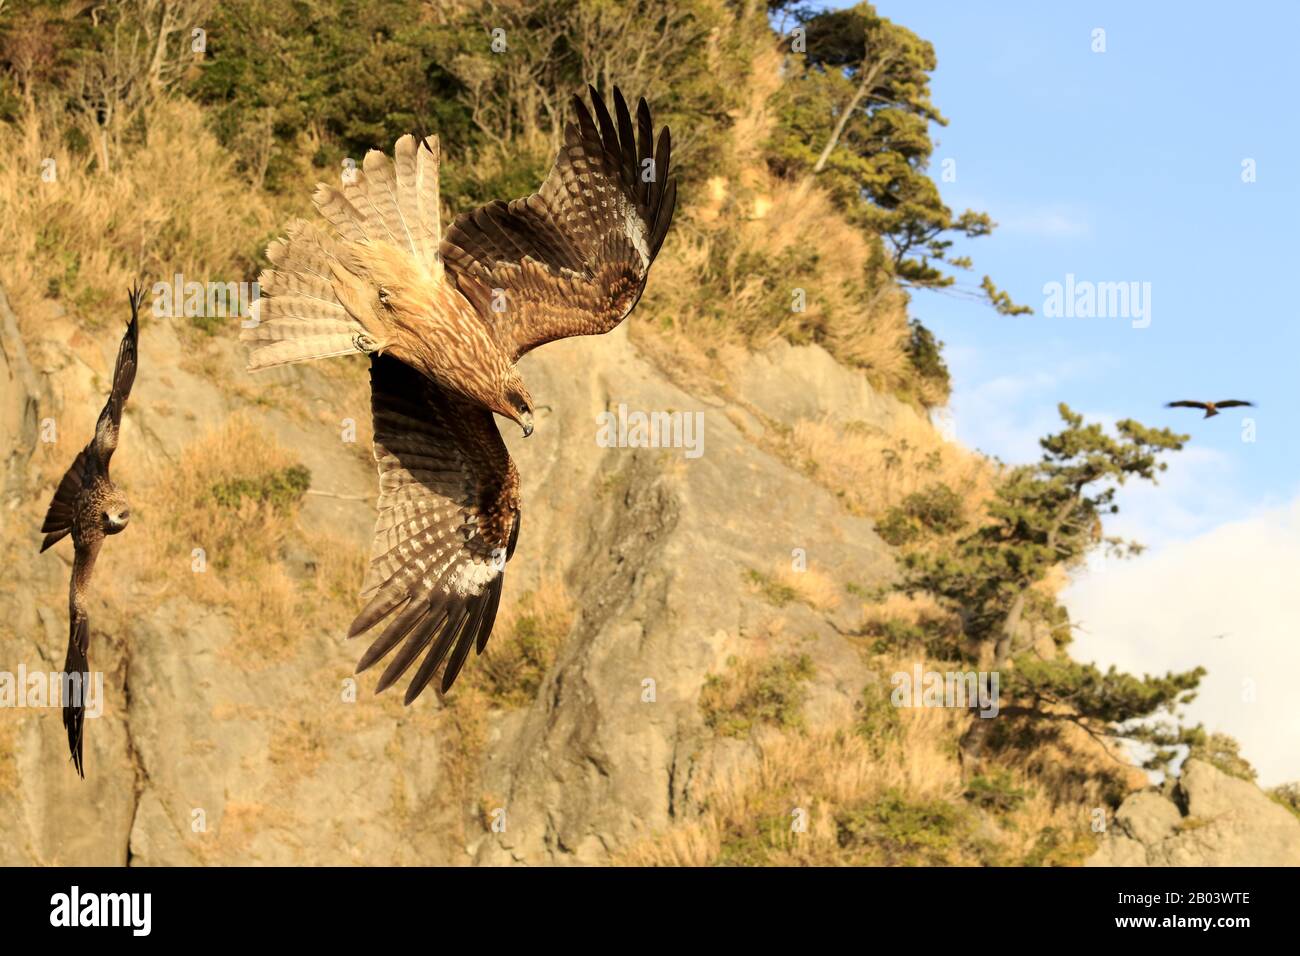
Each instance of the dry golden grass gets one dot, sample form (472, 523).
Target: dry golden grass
(912, 623)
(811, 587)
(726, 280)
(916, 610)
(729, 278)
(241, 544)
(525, 643)
(873, 471)
(339, 566)
(173, 203)
(298, 745)
(908, 788)
(886, 786)
(785, 584)
(822, 773)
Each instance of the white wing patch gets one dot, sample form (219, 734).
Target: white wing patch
(634, 228)
(472, 576)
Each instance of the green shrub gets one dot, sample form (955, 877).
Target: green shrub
(773, 590)
(897, 831)
(934, 511)
(877, 717)
(996, 792)
(1223, 752)
(1288, 795)
(280, 489)
(925, 352)
(769, 691)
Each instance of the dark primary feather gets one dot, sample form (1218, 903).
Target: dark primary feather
(448, 517)
(1228, 403)
(573, 258)
(110, 419)
(63, 506)
(92, 461)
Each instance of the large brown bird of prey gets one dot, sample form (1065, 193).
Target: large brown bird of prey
(444, 318)
(89, 506)
(1211, 408)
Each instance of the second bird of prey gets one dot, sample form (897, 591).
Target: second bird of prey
(444, 317)
(1211, 408)
(88, 506)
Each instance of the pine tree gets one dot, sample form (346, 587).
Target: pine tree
(1043, 515)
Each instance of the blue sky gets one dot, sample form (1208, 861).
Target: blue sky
(1127, 166)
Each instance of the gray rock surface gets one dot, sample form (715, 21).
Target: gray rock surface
(208, 755)
(788, 382)
(1208, 818)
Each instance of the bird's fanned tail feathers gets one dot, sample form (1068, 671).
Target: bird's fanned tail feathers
(390, 200)
(307, 308)
(297, 317)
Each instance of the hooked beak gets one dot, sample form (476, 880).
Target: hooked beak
(526, 420)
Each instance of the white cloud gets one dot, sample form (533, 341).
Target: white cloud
(1162, 611)
(1006, 415)
(1195, 494)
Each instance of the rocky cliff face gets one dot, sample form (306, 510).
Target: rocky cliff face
(206, 754)
(1205, 818)
(218, 747)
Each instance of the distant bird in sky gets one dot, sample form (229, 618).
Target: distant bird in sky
(444, 318)
(1211, 408)
(89, 506)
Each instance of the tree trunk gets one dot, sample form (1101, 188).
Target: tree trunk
(1011, 624)
(869, 77)
(972, 742)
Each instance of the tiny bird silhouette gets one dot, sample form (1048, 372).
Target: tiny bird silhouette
(1211, 408)
(89, 506)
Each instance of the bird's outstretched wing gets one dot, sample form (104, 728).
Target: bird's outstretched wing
(1185, 404)
(63, 506)
(1233, 403)
(93, 460)
(448, 522)
(110, 419)
(571, 259)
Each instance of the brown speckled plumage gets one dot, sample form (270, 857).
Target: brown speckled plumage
(444, 318)
(88, 506)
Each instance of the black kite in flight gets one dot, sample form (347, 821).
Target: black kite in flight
(89, 506)
(444, 318)
(1211, 408)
